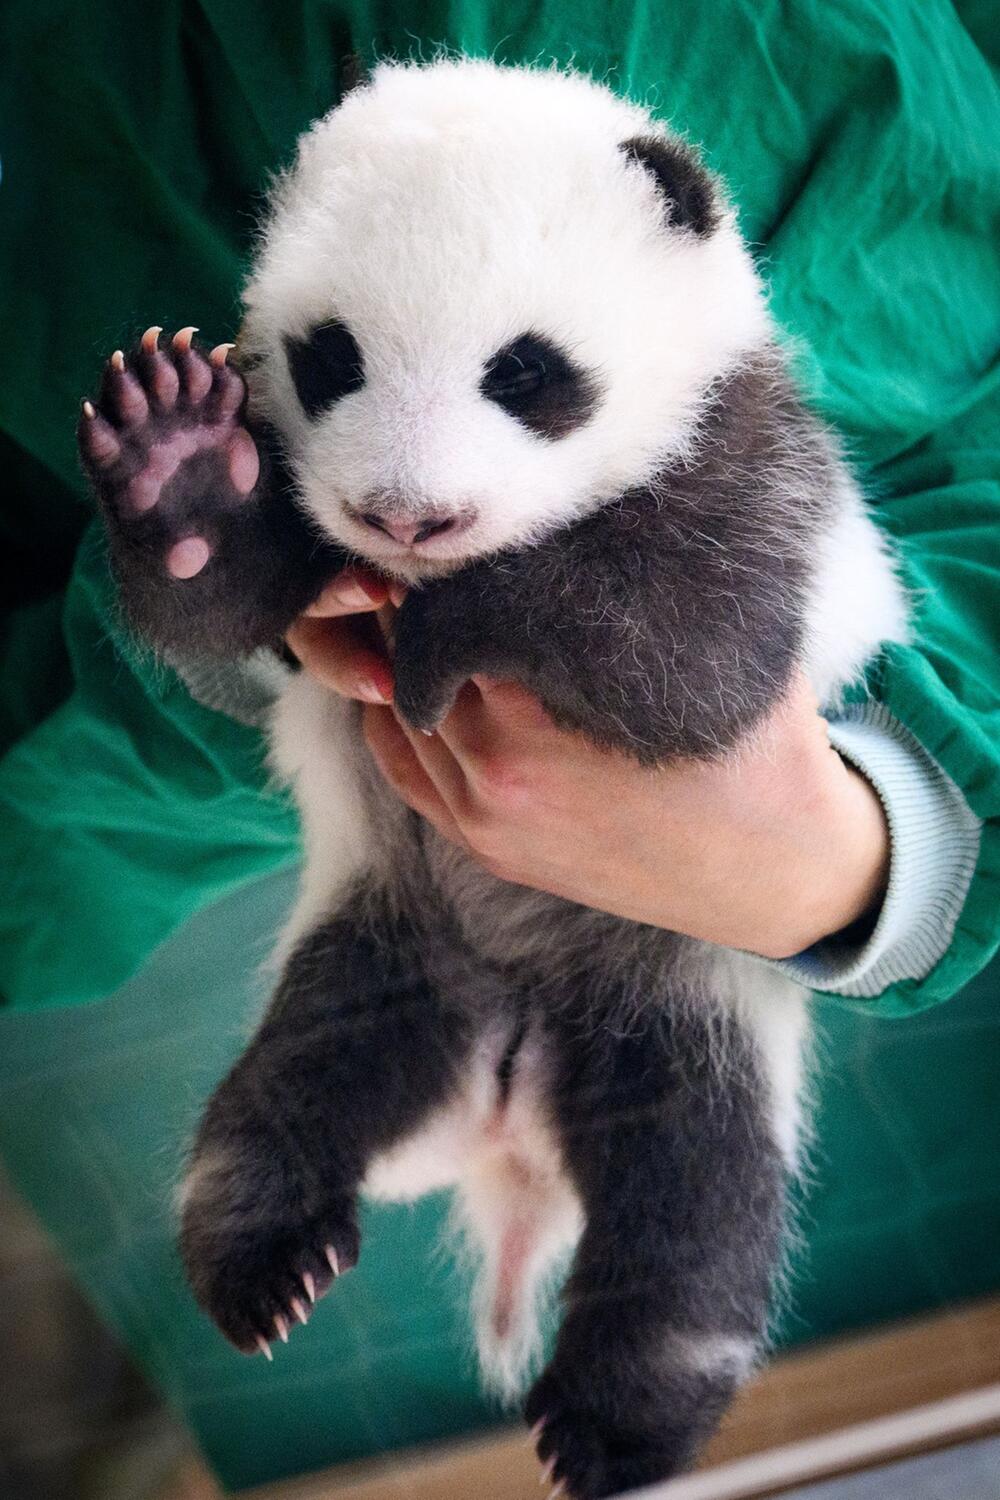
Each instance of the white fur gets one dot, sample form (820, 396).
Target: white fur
(440, 212)
(317, 749)
(774, 1010)
(858, 602)
(712, 1353)
(515, 1206)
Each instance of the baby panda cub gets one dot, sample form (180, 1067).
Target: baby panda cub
(504, 343)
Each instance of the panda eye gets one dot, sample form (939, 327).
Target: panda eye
(511, 377)
(325, 366)
(536, 383)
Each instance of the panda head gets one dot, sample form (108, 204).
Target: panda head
(488, 300)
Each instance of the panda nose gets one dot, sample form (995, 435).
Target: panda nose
(411, 530)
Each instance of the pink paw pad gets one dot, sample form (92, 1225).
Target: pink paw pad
(244, 461)
(186, 558)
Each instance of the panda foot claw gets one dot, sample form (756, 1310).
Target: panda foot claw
(258, 1272)
(583, 1448)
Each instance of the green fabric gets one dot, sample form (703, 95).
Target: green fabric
(860, 143)
(903, 1211)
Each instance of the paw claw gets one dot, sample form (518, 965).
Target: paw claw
(123, 396)
(249, 1276)
(195, 372)
(181, 340)
(265, 1348)
(228, 391)
(97, 438)
(331, 1256)
(220, 354)
(160, 373)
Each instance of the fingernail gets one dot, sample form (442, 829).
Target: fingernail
(353, 595)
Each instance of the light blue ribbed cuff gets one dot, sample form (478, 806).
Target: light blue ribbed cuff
(934, 848)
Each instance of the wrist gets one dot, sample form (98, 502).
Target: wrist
(851, 860)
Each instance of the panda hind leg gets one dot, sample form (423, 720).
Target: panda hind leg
(356, 1053)
(667, 1304)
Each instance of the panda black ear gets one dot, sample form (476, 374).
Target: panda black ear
(684, 185)
(353, 73)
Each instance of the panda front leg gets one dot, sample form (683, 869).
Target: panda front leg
(665, 1130)
(209, 549)
(356, 1049)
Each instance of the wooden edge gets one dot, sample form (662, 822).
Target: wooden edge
(843, 1392)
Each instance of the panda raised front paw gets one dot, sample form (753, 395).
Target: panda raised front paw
(156, 412)
(210, 551)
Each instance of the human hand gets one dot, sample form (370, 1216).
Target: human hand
(770, 848)
(340, 648)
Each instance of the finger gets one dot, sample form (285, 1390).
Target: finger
(400, 766)
(511, 703)
(352, 591)
(337, 653)
(491, 719)
(441, 767)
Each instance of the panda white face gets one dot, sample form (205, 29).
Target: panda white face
(478, 312)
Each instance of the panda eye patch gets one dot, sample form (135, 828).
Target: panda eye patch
(324, 366)
(532, 380)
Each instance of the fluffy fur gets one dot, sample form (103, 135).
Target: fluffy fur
(503, 340)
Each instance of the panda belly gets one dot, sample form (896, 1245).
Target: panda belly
(516, 928)
(513, 1201)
